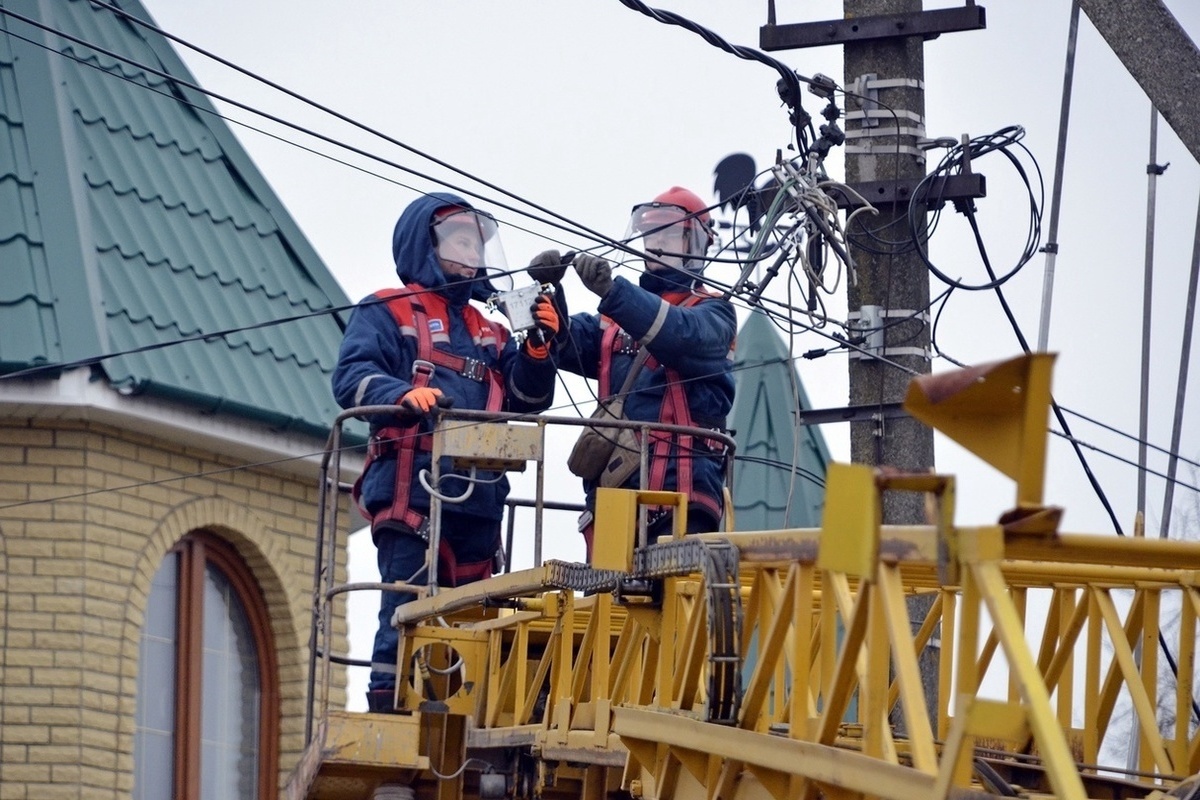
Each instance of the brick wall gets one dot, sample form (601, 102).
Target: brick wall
(87, 514)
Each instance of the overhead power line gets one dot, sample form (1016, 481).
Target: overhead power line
(570, 226)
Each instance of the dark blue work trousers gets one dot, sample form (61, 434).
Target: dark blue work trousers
(401, 555)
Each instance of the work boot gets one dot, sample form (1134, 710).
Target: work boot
(381, 701)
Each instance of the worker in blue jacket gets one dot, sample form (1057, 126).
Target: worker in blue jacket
(419, 348)
(689, 335)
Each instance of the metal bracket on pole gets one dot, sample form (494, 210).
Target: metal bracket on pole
(937, 191)
(864, 92)
(871, 321)
(926, 24)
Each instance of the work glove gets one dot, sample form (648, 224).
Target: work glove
(548, 267)
(548, 324)
(423, 399)
(595, 273)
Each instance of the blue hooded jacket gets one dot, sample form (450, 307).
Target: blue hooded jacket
(376, 360)
(695, 341)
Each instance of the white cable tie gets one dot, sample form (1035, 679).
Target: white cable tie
(885, 352)
(923, 315)
(917, 131)
(901, 113)
(886, 150)
(865, 84)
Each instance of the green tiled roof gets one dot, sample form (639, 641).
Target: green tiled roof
(130, 218)
(769, 392)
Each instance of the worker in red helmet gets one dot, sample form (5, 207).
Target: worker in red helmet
(685, 376)
(674, 230)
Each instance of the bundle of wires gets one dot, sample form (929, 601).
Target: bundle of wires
(957, 161)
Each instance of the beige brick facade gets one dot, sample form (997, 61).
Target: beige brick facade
(87, 515)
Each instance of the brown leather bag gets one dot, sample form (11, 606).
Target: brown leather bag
(609, 455)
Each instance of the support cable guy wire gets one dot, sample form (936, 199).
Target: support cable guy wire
(1076, 445)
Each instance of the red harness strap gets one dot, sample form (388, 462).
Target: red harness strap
(673, 411)
(408, 308)
(607, 345)
(452, 573)
(410, 314)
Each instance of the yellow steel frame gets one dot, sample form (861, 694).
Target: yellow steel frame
(825, 624)
(876, 655)
(608, 690)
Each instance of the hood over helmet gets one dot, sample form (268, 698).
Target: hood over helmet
(414, 250)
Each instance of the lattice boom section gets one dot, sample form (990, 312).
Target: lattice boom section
(1043, 650)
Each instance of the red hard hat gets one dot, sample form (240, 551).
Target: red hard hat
(662, 210)
(679, 196)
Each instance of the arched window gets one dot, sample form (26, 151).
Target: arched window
(208, 703)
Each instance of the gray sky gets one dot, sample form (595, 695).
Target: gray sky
(588, 108)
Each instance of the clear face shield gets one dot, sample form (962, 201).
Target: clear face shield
(467, 243)
(670, 237)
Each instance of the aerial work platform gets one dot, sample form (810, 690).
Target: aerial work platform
(784, 664)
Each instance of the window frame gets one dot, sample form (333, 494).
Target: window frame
(196, 551)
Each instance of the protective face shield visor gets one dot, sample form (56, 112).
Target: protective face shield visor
(467, 243)
(669, 236)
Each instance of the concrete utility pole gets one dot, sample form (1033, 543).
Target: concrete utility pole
(893, 287)
(884, 76)
(883, 43)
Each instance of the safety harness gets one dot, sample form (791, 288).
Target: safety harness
(673, 411)
(415, 310)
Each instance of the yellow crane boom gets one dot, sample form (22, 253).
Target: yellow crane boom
(783, 664)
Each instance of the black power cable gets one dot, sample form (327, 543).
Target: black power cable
(998, 141)
(1076, 445)
(789, 85)
(957, 161)
(572, 226)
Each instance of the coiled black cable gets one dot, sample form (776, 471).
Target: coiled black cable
(958, 161)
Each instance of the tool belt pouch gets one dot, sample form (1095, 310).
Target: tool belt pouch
(625, 459)
(597, 446)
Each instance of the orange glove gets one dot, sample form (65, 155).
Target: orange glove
(547, 317)
(421, 400)
(548, 324)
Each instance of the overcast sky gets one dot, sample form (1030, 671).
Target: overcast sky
(588, 108)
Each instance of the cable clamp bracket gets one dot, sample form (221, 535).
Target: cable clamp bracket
(886, 313)
(867, 88)
(871, 118)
